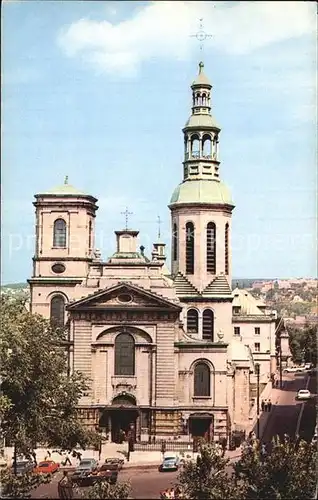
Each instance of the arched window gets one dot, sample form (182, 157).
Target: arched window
(59, 233)
(210, 248)
(208, 325)
(195, 146)
(203, 99)
(189, 248)
(226, 246)
(57, 312)
(202, 382)
(192, 321)
(124, 354)
(207, 146)
(175, 242)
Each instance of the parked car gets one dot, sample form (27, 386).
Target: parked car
(170, 463)
(107, 472)
(308, 366)
(23, 467)
(291, 369)
(84, 469)
(115, 460)
(303, 394)
(46, 467)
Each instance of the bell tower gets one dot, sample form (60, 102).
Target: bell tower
(201, 205)
(65, 232)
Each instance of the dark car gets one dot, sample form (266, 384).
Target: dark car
(23, 467)
(107, 472)
(83, 472)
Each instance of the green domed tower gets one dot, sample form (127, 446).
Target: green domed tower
(201, 205)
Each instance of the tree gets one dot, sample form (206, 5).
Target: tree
(208, 476)
(39, 399)
(287, 471)
(303, 343)
(20, 486)
(102, 490)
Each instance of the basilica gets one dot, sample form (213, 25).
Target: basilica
(167, 353)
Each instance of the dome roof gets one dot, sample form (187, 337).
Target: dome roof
(201, 79)
(65, 189)
(202, 191)
(202, 120)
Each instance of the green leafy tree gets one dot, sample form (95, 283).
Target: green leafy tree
(288, 471)
(208, 477)
(21, 486)
(102, 490)
(39, 399)
(303, 343)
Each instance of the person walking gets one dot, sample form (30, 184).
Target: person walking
(65, 487)
(269, 405)
(265, 405)
(262, 405)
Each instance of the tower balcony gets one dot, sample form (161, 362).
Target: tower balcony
(196, 155)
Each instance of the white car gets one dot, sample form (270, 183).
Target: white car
(291, 369)
(303, 394)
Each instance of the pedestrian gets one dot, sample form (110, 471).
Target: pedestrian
(269, 405)
(262, 405)
(65, 487)
(265, 405)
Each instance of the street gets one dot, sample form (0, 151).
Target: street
(147, 483)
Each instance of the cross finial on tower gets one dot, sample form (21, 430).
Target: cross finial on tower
(126, 214)
(66, 179)
(159, 221)
(201, 35)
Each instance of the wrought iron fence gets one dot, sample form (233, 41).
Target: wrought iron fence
(169, 445)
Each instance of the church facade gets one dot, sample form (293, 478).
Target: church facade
(167, 354)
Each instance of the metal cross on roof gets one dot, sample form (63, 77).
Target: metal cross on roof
(201, 35)
(126, 214)
(159, 221)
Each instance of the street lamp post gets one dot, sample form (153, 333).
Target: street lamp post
(257, 398)
(280, 364)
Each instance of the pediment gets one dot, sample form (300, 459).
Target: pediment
(123, 296)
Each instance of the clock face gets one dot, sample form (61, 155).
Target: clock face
(58, 268)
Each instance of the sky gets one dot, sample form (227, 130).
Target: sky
(100, 91)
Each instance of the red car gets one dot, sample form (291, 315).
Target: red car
(46, 467)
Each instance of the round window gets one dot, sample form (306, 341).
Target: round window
(58, 268)
(124, 297)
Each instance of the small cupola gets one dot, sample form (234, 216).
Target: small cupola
(126, 241)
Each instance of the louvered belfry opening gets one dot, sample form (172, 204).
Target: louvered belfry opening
(189, 248)
(226, 244)
(211, 248)
(175, 241)
(208, 325)
(192, 321)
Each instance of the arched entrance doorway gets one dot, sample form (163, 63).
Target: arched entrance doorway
(123, 415)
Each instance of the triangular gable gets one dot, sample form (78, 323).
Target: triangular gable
(219, 287)
(108, 298)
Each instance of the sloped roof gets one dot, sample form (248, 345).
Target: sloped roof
(248, 304)
(183, 286)
(218, 287)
